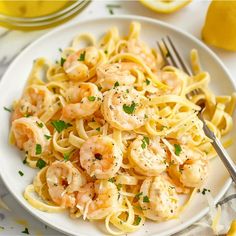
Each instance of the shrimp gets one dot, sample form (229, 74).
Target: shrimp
(148, 156)
(124, 108)
(97, 200)
(172, 80)
(30, 134)
(139, 48)
(83, 101)
(64, 181)
(77, 65)
(100, 157)
(159, 199)
(35, 100)
(110, 74)
(191, 167)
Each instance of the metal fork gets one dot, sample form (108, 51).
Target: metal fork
(172, 57)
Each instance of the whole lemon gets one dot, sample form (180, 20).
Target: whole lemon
(220, 25)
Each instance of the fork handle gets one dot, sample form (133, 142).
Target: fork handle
(229, 164)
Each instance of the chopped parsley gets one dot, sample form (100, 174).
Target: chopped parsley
(7, 109)
(145, 116)
(91, 98)
(38, 149)
(178, 149)
(1, 227)
(129, 109)
(40, 125)
(137, 220)
(20, 173)
(119, 186)
(146, 199)
(98, 129)
(145, 142)
(60, 125)
(112, 180)
(62, 61)
(116, 84)
(26, 231)
(24, 161)
(47, 136)
(82, 56)
(147, 81)
(138, 195)
(99, 88)
(40, 163)
(105, 51)
(27, 115)
(110, 8)
(59, 49)
(66, 156)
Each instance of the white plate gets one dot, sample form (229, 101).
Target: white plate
(47, 46)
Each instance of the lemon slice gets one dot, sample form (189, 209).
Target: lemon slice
(165, 6)
(220, 25)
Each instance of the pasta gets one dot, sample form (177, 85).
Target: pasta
(113, 134)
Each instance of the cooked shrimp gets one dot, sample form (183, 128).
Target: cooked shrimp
(148, 156)
(77, 65)
(171, 79)
(64, 181)
(124, 108)
(100, 157)
(83, 101)
(139, 48)
(110, 74)
(35, 100)
(97, 200)
(30, 135)
(192, 166)
(159, 199)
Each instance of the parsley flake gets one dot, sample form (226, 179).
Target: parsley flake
(82, 56)
(137, 220)
(129, 109)
(62, 61)
(105, 51)
(116, 84)
(40, 163)
(60, 125)
(47, 136)
(98, 129)
(178, 149)
(146, 199)
(145, 142)
(38, 149)
(91, 98)
(7, 109)
(20, 173)
(40, 125)
(112, 180)
(66, 156)
(147, 81)
(119, 186)
(26, 231)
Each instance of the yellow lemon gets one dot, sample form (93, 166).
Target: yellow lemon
(220, 25)
(232, 230)
(165, 6)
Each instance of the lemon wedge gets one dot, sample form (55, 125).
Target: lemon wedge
(220, 25)
(165, 6)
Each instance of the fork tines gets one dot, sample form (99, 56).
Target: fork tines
(171, 55)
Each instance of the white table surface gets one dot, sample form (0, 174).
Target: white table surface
(190, 18)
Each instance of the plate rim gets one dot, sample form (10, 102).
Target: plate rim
(130, 17)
